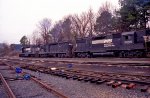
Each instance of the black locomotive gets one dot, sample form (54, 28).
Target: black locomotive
(125, 44)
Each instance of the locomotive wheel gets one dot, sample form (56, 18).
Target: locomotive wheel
(61, 56)
(148, 54)
(64, 55)
(139, 54)
(58, 56)
(121, 54)
(87, 55)
(126, 54)
(79, 55)
(54, 55)
(83, 55)
(130, 54)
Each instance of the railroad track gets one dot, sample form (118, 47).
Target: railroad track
(38, 67)
(33, 78)
(6, 86)
(43, 62)
(127, 81)
(129, 61)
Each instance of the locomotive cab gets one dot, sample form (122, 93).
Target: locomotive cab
(133, 44)
(26, 50)
(128, 37)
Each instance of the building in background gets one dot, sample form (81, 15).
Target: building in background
(16, 47)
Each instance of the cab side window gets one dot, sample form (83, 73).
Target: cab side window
(127, 37)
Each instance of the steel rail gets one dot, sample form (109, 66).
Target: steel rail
(42, 84)
(81, 72)
(94, 74)
(77, 69)
(89, 61)
(6, 86)
(49, 88)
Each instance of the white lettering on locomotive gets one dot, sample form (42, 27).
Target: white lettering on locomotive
(128, 42)
(97, 41)
(106, 42)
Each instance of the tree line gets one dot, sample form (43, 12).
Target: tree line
(8, 50)
(132, 15)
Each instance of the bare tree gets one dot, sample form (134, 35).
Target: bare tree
(56, 31)
(62, 30)
(104, 23)
(45, 27)
(39, 41)
(36, 39)
(83, 25)
(105, 7)
(92, 20)
(80, 23)
(66, 28)
(4, 49)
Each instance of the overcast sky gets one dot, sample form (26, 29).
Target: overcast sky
(20, 17)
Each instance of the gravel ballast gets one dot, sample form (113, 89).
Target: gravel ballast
(77, 89)
(3, 93)
(25, 88)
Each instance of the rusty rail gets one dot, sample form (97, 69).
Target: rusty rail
(94, 74)
(43, 85)
(49, 88)
(6, 86)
